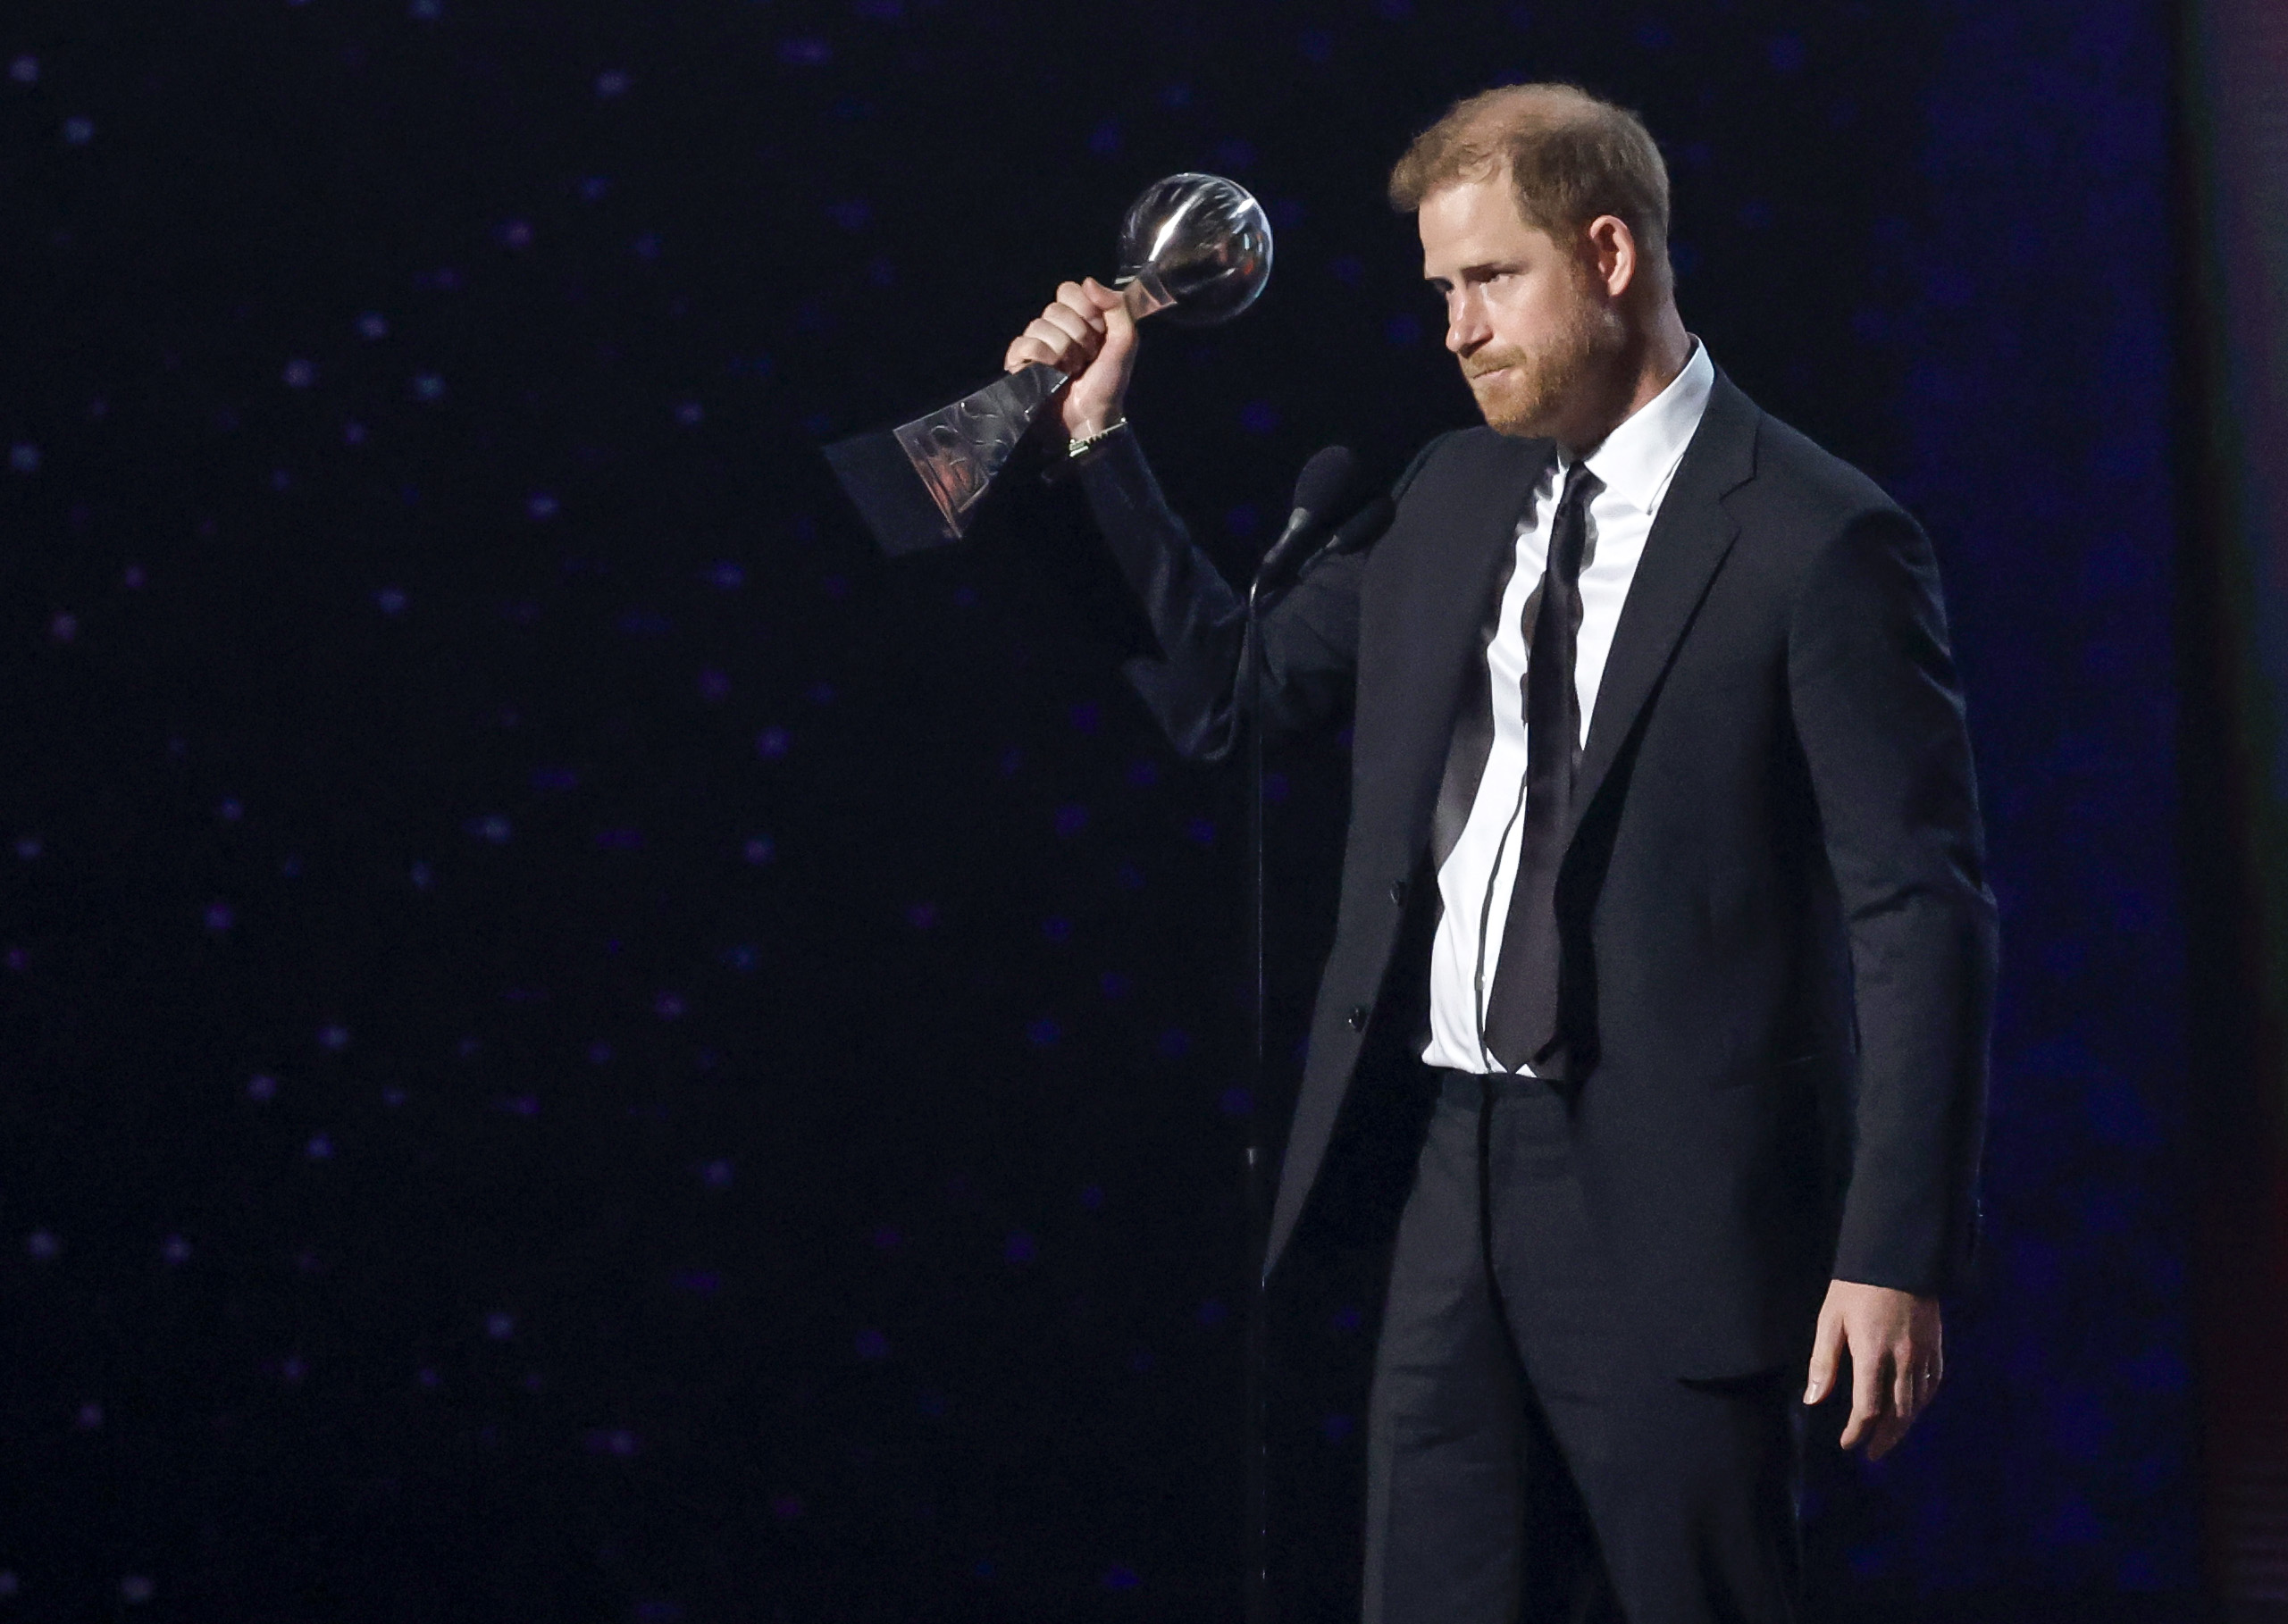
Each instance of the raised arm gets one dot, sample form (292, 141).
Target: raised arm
(1197, 620)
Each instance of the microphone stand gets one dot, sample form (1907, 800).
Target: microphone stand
(1259, 1582)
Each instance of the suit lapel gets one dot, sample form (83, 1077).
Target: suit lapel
(1687, 543)
(1465, 539)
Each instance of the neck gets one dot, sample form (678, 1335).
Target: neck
(1647, 362)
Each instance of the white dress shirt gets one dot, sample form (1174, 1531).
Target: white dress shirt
(1634, 465)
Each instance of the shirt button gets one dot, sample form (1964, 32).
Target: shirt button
(1398, 892)
(1356, 1019)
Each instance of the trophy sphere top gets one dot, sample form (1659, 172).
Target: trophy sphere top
(1207, 239)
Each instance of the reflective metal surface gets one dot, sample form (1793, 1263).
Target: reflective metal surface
(1207, 240)
(1197, 249)
(958, 449)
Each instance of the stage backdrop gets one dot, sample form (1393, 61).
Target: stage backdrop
(574, 1045)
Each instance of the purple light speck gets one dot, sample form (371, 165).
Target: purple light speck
(1071, 820)
(334, 1038)
(24, 458)
(611, 83)
(41, 1246)
(1019, 1247)
(219, 918)
(175, 1249)
(873, 1346)
(300, 375)
(500, 1326)
(319, 1149)
(516, 234)
(64, 628)
(28, 846)
(79, 131)
(24, 71)
(90, 1417)
(771, 743)
(717, 1174)
(539, 504)
(373, 324)
(135, 1589)
(691, 414)
(262, 1087)
(669, 1006)
(759, 850)
(714, 686)
(803, 53)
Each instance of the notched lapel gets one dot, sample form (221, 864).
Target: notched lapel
(1687, 545)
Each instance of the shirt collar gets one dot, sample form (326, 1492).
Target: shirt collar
(1638, 457)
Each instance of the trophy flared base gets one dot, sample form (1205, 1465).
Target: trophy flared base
(920, 485)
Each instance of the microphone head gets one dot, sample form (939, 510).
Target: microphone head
(1324, 479)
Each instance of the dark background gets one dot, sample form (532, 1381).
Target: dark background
(574, 1045)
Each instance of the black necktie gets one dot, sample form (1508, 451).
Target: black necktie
(1521, 1012)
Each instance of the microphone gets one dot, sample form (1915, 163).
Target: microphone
(1316, 490)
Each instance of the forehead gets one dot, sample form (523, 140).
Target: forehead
(1471, 222)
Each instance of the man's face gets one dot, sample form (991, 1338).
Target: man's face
(1525, 315)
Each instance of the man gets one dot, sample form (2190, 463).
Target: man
(1664, 860)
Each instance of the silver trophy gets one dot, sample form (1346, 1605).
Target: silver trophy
(1195, 248)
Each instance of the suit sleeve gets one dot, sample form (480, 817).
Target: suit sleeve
(1199, 623)
(1879, 712)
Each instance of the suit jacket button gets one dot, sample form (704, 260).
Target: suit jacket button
(1398, 892)
(1356, 1019)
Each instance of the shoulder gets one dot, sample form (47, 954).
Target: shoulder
(1799, 486)
(1463, 459)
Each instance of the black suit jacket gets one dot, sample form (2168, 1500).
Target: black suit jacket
(1779, 948)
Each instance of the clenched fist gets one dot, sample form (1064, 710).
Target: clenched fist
(1088, 335)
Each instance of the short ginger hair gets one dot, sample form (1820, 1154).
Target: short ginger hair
(1570, 156)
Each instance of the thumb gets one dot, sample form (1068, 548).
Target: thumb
(1827, 1343)
(1119, 325)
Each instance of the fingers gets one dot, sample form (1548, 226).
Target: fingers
(1065, 335)
(1027, 351)
(1867, 1384)
(1826, 1344)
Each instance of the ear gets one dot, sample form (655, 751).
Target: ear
(1611, 251)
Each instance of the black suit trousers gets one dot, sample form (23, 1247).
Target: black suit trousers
(1528, 1458)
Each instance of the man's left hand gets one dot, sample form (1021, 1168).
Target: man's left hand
(1896, 1360)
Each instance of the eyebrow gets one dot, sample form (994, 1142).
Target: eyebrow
(1476, 271)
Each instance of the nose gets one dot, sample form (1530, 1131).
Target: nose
(1465, 321)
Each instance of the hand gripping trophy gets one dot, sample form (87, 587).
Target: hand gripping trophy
(1195, 248)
